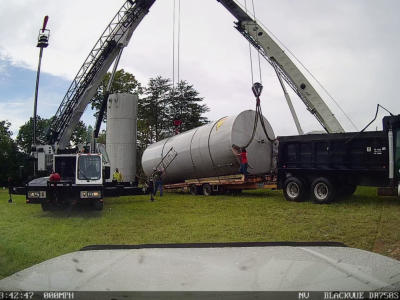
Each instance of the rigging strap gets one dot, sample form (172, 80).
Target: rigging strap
(257, 90)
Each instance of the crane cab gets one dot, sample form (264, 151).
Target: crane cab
(79, 169)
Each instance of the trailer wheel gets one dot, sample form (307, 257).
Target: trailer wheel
(98, 205)
(221, 190)
(323, 190)
(294, 189)
(194, 190)
(207, 190)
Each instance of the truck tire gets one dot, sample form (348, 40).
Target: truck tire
(194, 190)
(98, 205)
(207, 190)
(294, 189)
(323, 190)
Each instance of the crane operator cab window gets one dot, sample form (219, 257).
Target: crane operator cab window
(89, 167)
(65, 166)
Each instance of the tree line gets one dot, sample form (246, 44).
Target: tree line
(161, 108)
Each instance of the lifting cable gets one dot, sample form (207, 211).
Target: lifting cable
(287, 50)
(176, 49)
(179, 38)
(258, 50)
(257, 89)
(173, 46)
(176, 42)
(250, 52)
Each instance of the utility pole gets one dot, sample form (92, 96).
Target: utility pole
(43, 42)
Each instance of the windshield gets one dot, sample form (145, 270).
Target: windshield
(89, 167)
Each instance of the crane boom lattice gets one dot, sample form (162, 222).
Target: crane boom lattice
(84, 86)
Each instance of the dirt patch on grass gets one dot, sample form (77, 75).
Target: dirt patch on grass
(395, 251)
(391, 250)
(379, 246)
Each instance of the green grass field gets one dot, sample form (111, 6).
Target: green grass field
(29, 236)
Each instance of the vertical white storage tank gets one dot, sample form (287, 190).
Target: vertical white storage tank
(121, 134)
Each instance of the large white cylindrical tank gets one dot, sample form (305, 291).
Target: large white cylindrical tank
(206, 151)
(121, 134)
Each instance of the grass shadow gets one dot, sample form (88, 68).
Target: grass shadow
(127, 200)
(72, 212)
(369, 200)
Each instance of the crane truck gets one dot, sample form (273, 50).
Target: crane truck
(83, 173)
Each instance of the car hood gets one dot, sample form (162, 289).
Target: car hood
(212, 267)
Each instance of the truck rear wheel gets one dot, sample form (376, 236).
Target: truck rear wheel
(294, 189)
(323, 190)
(207, 190)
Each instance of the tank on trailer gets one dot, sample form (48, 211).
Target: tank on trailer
(121, 134)
(206, 151)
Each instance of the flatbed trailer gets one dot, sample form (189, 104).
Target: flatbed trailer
(224, 184)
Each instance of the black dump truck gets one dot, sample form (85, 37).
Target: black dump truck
(325, 166)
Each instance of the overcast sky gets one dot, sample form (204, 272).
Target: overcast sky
(350, 46)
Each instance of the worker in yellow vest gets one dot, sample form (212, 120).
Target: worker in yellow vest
(117, 176)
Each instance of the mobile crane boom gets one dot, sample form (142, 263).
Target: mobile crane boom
(84, 86)
(283, 65)
(117, 35)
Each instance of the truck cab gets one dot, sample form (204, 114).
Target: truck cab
(81, 169)
(81, 181)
